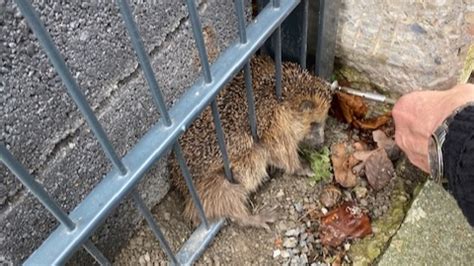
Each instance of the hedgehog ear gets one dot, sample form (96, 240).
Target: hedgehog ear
(306, 105)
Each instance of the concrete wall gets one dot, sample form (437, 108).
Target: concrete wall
(43, 128)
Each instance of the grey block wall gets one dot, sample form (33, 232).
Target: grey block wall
(43, 128)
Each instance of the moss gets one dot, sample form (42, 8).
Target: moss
(320, 164)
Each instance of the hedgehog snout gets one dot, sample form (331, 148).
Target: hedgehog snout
(315, 138)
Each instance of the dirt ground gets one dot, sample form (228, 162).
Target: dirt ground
(293, 239)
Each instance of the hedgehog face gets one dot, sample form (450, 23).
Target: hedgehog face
(314, 112)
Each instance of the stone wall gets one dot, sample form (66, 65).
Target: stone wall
(404, 45)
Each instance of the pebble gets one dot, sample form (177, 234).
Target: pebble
(360, 192)
(290, 242)
(347, 246)
(304, 259)
(147, 257)
(276, 253)
(305, 250)
(298, 207)
(280, 193)
(303, 236)
(324, 210)
(292, 232)
(364, 202)
(167, 216)
(285, 254)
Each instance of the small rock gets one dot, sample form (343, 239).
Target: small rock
(302, 243)
(141, 260)
(285, 254)
(282, 226)
(147, 257)
(360, 192)
(280, 193)
(304, 259)
(298, 207)
(310, 238)
(305, 250)
(167, 216)
(324, 210)
(363, 202)
(303, 236)
(276, 253)
(295, 251)
(292, 232)
(347, 246)
(295, 261)
(290, 242)
(308, 224)
(330, 196)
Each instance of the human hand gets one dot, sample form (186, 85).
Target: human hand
(418, 114)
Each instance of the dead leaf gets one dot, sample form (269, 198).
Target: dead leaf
(342, 163)
(352, 109)
(349, 107)
(387, 143)
(373, 123)
(379, 169)
(362, 155)
(330, 196)
(345, 222)
(359, 146)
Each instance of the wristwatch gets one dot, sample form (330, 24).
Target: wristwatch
(435, 145)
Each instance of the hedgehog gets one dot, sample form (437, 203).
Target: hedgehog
(282, 125)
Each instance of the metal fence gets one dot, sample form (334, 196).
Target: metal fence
(76, 228)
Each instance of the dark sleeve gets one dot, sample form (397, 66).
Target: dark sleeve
(458, 160)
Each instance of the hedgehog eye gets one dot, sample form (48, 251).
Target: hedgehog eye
(306, 105)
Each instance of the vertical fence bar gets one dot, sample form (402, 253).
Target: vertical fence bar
(326, 37)
(250, 101)
(95, 252)
(277, 41)
(304, 38)
(198, 37)
(189, 183)
(76, 94)
(239, 6)
(221, 141)
(143, 58)
(40, 193)
(154, 227)
(276, 3)
(197, 30)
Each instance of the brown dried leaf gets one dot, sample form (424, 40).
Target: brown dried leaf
(349, 107)
(373, 123)
(359, 146)
(362, 155)
(330, 196)
(342, 163)
(353, 110)
(345, 222)
(379, 169)
(387, 143)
